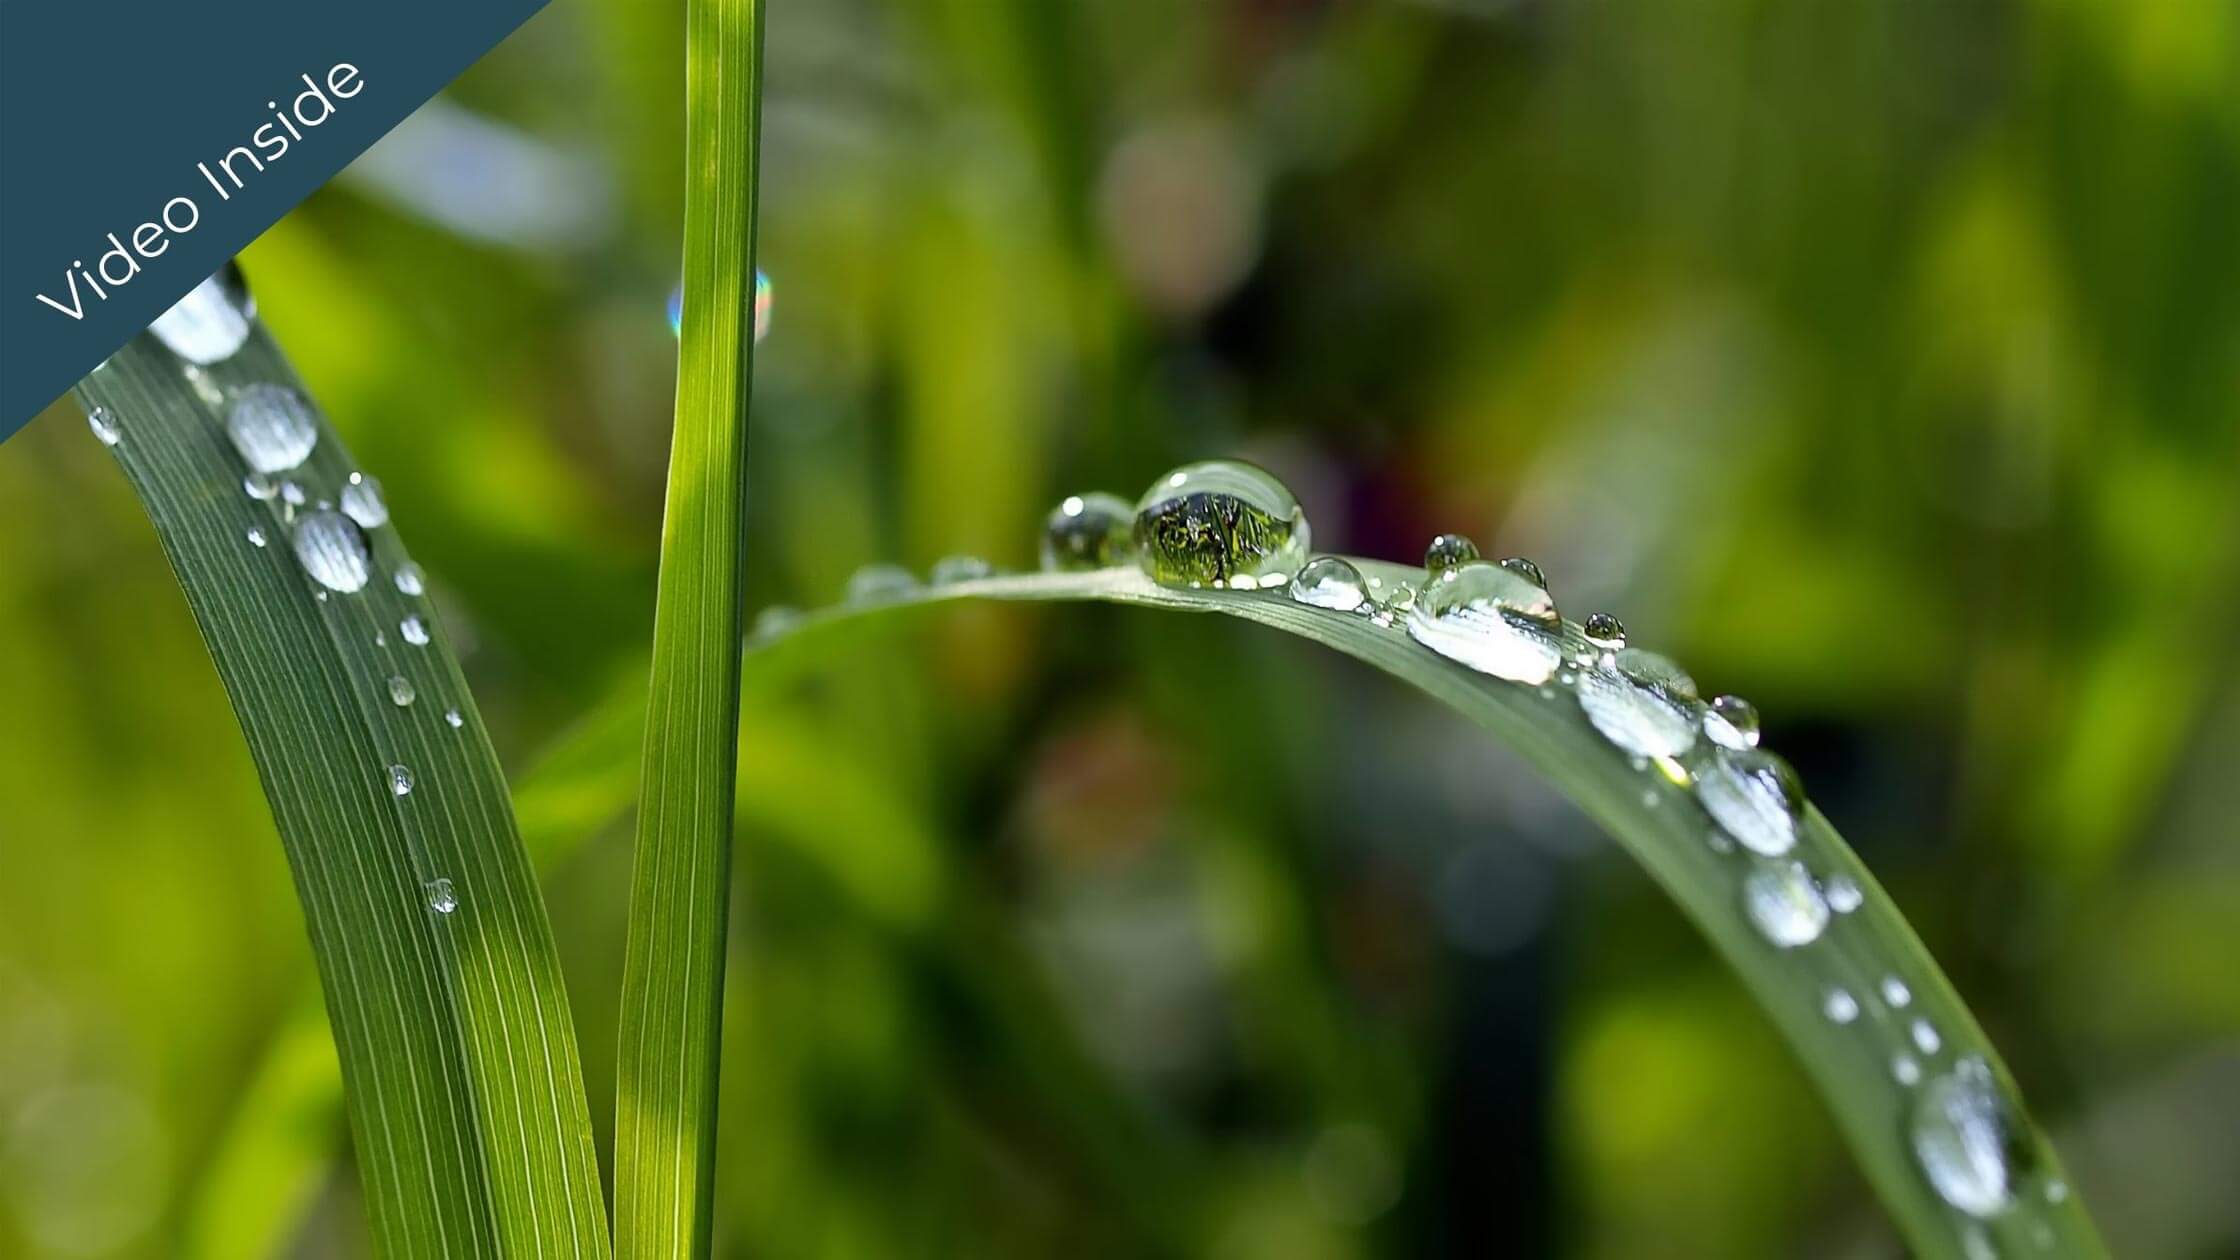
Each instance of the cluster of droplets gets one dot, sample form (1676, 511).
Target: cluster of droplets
(276, 431)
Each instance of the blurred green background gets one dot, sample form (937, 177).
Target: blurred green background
(1879, 361)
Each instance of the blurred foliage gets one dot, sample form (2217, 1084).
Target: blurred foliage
(1881, 362)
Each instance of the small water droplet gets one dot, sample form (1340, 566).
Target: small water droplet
(256, 536)
(1088, 531)
(1642, 704)
(776, 620)
(410, 580)
(103, 422)
(291, 494)
(1220, 523)
(1527, 569)
(333, 552)
(211, 322)
(273, 428)
(950, 570)
(361, 499)
(1840, 1007)
(1925, 1036)
(2057, 1191)
(1843, 894)
(1732, 722)
(400, 780)
(441, 897)
(1605, 631)
(1784, 903)
(260, 487)
(1755, 796)
(400, 690)
(455, 718)
(1906, 1070)
(1447, 551)
(381, 638)
(1486, 617)
(1969, 1140)
(1895, 992)
(880, 584)
(1329, 582)
(414, 630)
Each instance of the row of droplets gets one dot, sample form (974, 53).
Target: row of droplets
(1231, 525)
(275, 430)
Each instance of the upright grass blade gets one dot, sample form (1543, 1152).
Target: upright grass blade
(1886, 1056)
(464, 1096)
(672, 986)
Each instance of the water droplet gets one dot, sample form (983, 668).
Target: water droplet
(1732, 722)
(1755, 796)
(260, 487)
(333, 552)
(1925, 1036)
(441, 897)
(1643, 705)
(1905, 1070)
(2057, 1191)
(1476, 615)
(1969, 1141)
(256, 536)
(1784, 903)
(400, 780)
(103, 422)
(950, 570)
(381, 638)
(400, 690)
(1529, 570)
(1840, 1006)
(1329, 582)
(1843, 894)
(273, 428)
(211, 322)
(1446, 551)
(455, 718)
(1605, 632)
(775, 620)
(410, 580)
(1895, 992)
(1088, 531)
(880, 584)
(291, 494)
(414, 630)
(361, 499)
(1222, 523)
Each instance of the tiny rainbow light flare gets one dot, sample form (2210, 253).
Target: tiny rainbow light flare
(763, 299)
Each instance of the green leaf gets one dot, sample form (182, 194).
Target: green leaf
(672, 985)
(465, 1098)
(1853, 1063)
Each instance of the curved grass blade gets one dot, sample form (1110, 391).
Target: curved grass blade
(1879, 1066)
(465, 1098)
(672, 980)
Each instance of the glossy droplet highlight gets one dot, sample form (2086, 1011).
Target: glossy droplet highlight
(1969, 1140)
(332, 551)
(400, 780)
(1784, 904)
(1605, 631)
(291, 494)
(1895, 992)
(1329, 582)
(272, 426)
(1526, 569)
(256, 536)
(414, 630)
(410, 580)
(1446, 552)
(442, 898)
(1221, 523)
(1925, 1037)
(1643, 703)
(400, 690)
(1754, 796)
(455, 718)
(880, 584)
(1731, 722)
(1485, 617)
(103, 422)
(1840, 1007)
(362, 501)
(211, 323)
(1906, 1069)
(1088, 531)
(1843, 894)
(260, 486)
(950, 570)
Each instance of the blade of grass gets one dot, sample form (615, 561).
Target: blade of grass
(1854, 1062)
(672, 986)
(464, 1094)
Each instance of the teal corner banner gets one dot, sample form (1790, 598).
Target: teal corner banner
(145, 142)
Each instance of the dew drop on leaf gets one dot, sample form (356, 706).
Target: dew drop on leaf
(272, 426)
(1895, 992)
(1220, 523)
(1088, 531)
(1732, 722)
(1755, 796)
(260, 486)
(1969, 1140)
(211, 323)
(400, 690)
(1329, 582)
(400, 779)
(332, 551)
(1642, 704)
(1925, 1036)
(1840, 1007)
(1446, 551)
(880, 584)
(1843, 894)
(1784, 904)
(950, 570)
(455, 718)
(414, 630)
(104, 425)
(1605, 631)
(362, 501)
(776, 620)
(442, 898)
(410, 580)
(1526, 568)
(1489, 619)
(256, 536)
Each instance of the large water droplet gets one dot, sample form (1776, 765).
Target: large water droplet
(950, 570)
(211, 322)
(272, 426)
(1445, 552)
(1732, 722)
(1643, 705)
(1840, 1007)
(362, 501)
(1088, 531)
(441, 897)
(103, 422)
(400, 690)
(414, 630)
(1969, 1140)
(410, 580)
(332, 551)
(400, 780)
(880, 584)
(1784, 903)
(1222, 523)
(1329, 582)
(1755, 796)
(1485, 617)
